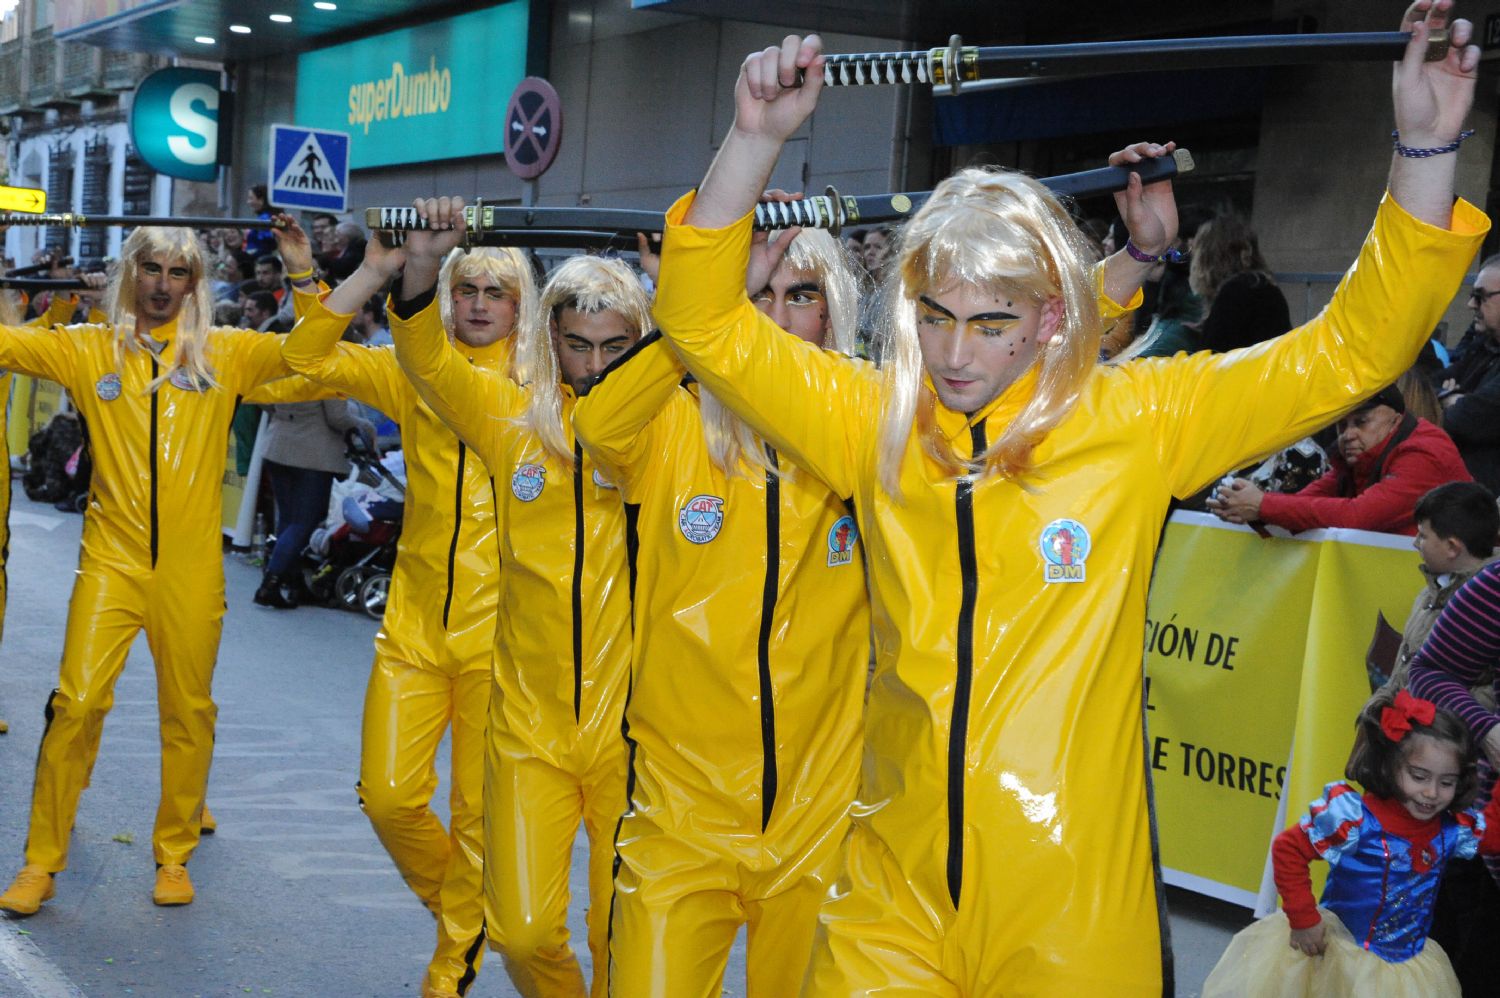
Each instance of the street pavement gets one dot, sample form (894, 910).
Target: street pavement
(295, 895)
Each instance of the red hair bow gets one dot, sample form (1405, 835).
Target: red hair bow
(1396, 719)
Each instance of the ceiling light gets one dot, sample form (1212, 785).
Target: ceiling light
(203, 40)
(282, 18)
(325, 5)
(240, 29)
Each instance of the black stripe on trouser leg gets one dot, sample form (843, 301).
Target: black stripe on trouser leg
(471, 960)
(48, 713)
(963, 681)
(763, 642)
(614, 873)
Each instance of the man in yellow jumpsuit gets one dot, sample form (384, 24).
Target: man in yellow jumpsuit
(158, 388)
(562, 648)
(736, 546)
(435, 648)
(1011, 496)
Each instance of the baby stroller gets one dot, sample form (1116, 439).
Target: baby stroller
(348, 560)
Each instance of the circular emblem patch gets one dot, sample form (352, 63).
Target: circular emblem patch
(701, 519)
(183, 379)
(108, 387)
(601, 481)
(841, 538)
(527, 481)
(1065, 546)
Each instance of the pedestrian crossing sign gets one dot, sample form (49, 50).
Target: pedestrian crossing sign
(309, 168)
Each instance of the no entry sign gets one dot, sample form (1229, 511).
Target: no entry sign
(533, 128)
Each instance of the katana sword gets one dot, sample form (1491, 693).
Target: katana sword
(956, 63)
(505, 225)
(38, 268)
(72, 220)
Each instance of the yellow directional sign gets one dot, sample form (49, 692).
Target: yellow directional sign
(23, 199)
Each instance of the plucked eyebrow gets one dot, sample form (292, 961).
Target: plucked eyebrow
(980, 317)
(803, 287)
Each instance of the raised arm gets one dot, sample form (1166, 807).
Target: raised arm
(1212, 412)
(314, 347)
(476, 405)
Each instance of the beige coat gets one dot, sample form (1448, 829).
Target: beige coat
(311, 434)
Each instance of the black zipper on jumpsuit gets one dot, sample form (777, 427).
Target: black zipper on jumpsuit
(155, 399)
(577, 581)
(963, 680)
(458, 520)
(763, 643)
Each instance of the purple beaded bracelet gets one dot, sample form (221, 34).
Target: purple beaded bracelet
(1172, 255)
(1413, 153)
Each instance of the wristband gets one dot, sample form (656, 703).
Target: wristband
(300, 276)
(1415, 153)
(1172, 255)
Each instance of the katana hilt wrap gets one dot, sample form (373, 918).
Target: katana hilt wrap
(821, 211)
(393, 223)
(876, 68)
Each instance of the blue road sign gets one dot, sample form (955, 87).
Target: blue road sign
(309, 168)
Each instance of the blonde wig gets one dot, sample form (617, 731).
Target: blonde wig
(1005, 233)
(177, 246)
(586, 284)
(506, 266)
(817, 257)
(11, 308)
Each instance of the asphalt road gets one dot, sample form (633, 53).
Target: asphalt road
(295, 895)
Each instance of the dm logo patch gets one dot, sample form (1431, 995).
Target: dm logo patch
(601, 481)
(108, 387)
(841, 539)
(527, 481)
(701, 519)
(183, 378)
(1065, 546)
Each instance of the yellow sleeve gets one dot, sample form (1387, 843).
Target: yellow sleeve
(255, 358)
(816, 407)
(60, 310)
(314, 349)
(293, 389)
(40, 351)
(475, 404)
(303, 301)
(1218, 411)
(614, 420)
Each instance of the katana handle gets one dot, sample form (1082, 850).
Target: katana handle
(71, 220)
(956, 64)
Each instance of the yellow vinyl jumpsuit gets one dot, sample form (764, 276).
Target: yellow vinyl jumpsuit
(436, 642)
(150, 560)
(1000, 841)
(746, 694)
(562, 655)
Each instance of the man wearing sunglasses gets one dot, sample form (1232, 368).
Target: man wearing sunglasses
(1471, 387)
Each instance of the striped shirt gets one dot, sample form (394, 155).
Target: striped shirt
(1463, 650)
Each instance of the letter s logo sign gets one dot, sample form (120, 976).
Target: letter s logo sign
(175, 121)
(181, 107)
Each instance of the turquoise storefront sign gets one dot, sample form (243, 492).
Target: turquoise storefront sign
(420, 94)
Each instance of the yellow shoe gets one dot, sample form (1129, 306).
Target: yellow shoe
(32, 886)
(173, 886)
(207, 823)
(438, 989)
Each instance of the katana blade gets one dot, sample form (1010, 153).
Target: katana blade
(956, 64)
(74, 220)
(603, 228)
(31, 284)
